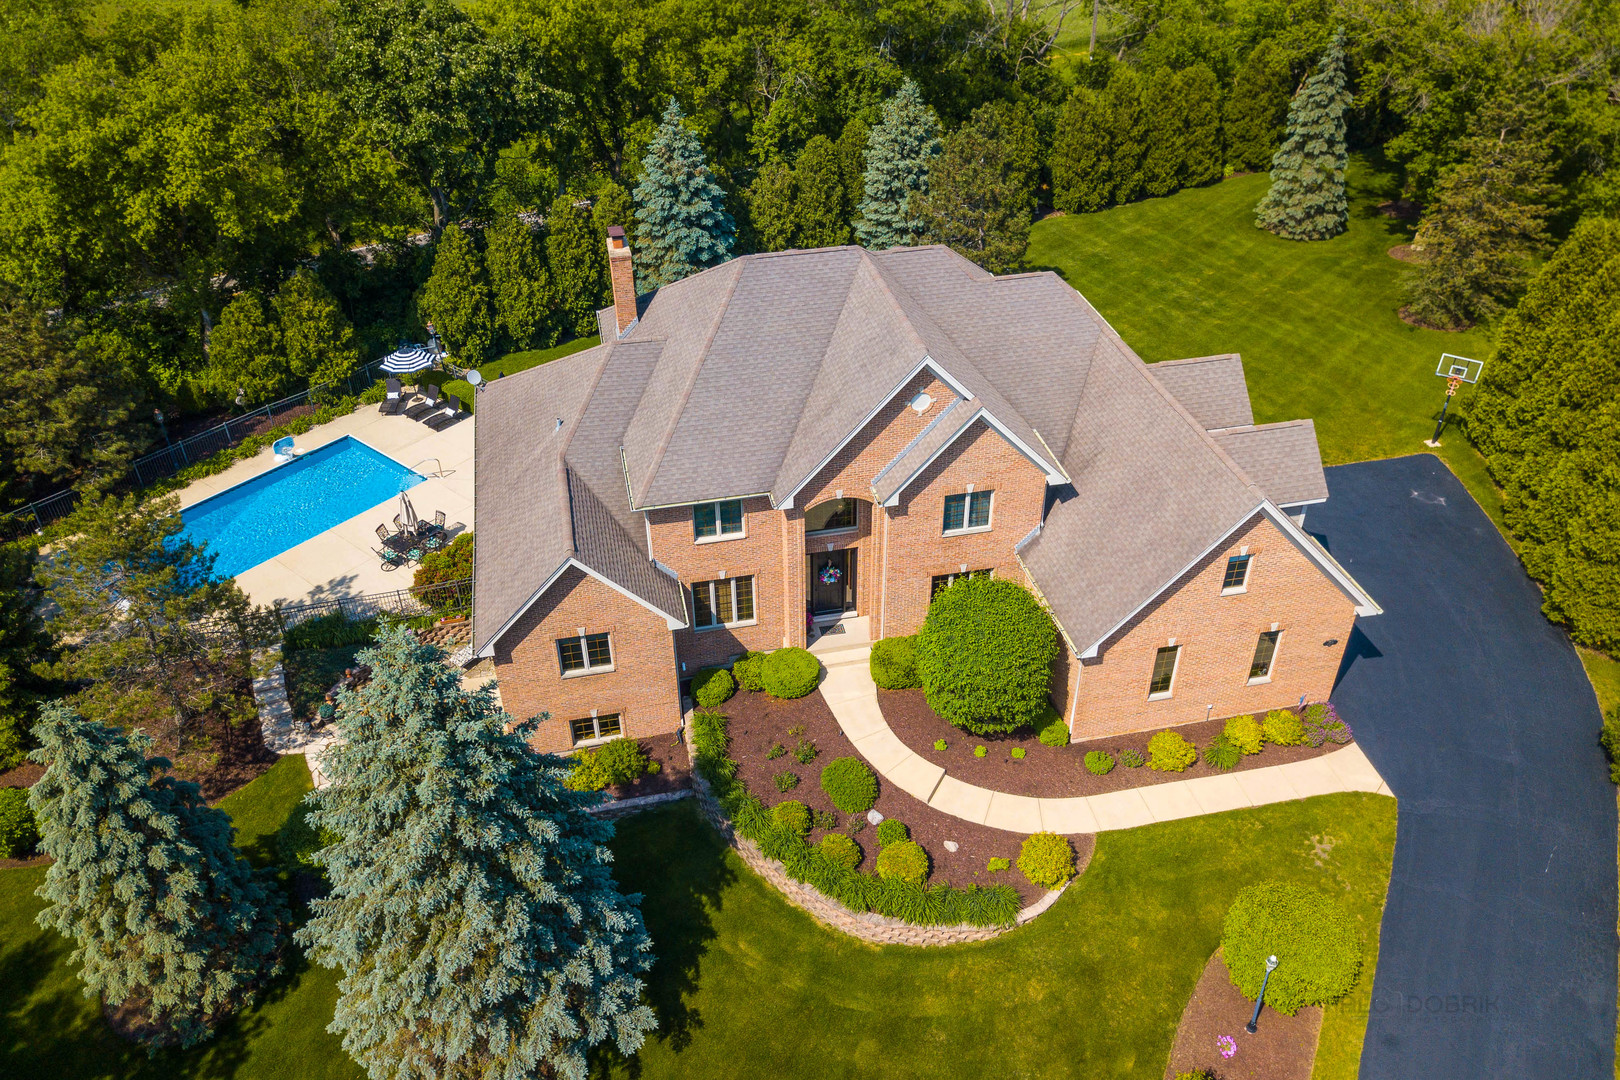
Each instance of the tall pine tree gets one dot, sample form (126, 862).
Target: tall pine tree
(773, 200)
(520, 283)
(684, 226)
(317, 337)
(1257, 108)
(1164, 127)
(577, 256)
(1081, 154)
(1306, 200)
(457, 299)
(166, 918)
(473, 910)
(898, 153)
(1123, 100)
(1200, 93)
(823, 202)
(244, 352)
(981, 190)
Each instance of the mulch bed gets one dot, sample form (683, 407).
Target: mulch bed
(759, 721)
(1401, 210)
(1282, 1047)
(187, 426)
(22, 775)
(1404, 253)
(674, 770)
(1412, 320)
(1055, 772)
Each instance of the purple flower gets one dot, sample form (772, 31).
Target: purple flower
(1226, 1045)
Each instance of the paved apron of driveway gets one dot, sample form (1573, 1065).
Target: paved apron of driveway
(1497, 956)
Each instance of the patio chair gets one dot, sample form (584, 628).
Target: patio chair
(438, 520)
(429, 403)
(394, 400)
(382, 533)
(391, 560)
(441, 420)
(399, 524)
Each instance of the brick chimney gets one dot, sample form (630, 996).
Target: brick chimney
(622, 269)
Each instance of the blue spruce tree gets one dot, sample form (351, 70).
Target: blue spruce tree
(898, 153)
(146, 880)
(684, 224)
(473, 909)
(1306, 199)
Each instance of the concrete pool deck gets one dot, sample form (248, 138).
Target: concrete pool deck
(342, 561)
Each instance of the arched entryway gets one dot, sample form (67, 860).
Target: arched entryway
(832, 532)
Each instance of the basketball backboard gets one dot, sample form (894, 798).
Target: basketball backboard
(1459, 367)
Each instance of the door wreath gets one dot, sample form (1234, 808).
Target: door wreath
(830, 575)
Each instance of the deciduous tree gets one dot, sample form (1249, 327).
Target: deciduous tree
(980, 194)
(1306, 200)
(898, 154)
(684, 226)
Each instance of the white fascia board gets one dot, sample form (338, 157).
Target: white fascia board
(926, 362)
(1053, 475)
(1302, 502)
(489, 646)
(669, 620)
(700, 502)
(1365, 604)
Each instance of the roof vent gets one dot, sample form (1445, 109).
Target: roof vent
(920, 403)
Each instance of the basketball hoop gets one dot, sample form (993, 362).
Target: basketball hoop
(1456, 370)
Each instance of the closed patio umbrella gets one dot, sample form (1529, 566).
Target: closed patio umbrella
(407, 510)
(409, 358)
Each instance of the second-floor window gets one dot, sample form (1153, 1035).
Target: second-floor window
(1237, 574)
(968, 512)
(717, 520)
(723, 603)
(833, 515)
(579, 655)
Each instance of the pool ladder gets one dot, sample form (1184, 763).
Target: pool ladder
(438, 469)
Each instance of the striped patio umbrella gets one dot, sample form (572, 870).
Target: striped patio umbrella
(409, 358)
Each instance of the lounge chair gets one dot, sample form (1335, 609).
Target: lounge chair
(441, 420)
(394, 400)
(429, 403)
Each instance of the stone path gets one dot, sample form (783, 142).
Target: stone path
(282, 734)
(852, 696)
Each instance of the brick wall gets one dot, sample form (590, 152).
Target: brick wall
(1217, 636)
(641, 688)
(757, 553)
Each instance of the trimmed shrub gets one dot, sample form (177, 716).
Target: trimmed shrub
(1169, 752)
(984, 655)
(1051, 729)
(1282, 727)
(616, 762)
(1046, 859)
(1131, 758)
(749, 672)
(1018, 753)
(841, 850)
(1245, 733)
(894, 663)
(892, 830)
(1318, 945)
(712, 686)
(980, 751)
(1609, 739)
(1222, 754)
(941, 745)
(805, 752)
(18, 830)
(794, 815)
(1322, 724)
(786, 781)
(1099, 762)
(790, 673)
(334, 631)
(903, 860)
(13, 742)
(850, 785)
(996, 866)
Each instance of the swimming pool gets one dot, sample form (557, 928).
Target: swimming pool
(260, 518)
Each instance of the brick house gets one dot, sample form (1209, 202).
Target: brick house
(809, 436)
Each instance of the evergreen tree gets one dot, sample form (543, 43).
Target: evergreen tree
(898, 153)
(1306, 199)
(1123, 107)
(476, 921)
(520, 283)
(684, 226)
(773, 200)
(980, 194)
(245, 353)
(822, 203)
(147, 882)
(1200, 139)
(613, 206)
(1257, 108)
(1164, 130)
(1487, 222)
(457, 300)
(577, 255)
(852, 160)
(1081, 157)
(23, 645)
(316, 336)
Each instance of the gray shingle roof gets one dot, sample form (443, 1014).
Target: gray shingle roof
(1211, 387)
(1282, 458)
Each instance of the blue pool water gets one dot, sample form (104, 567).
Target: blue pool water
(261, 518)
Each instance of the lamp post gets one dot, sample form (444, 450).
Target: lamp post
(1253, 1025)
(157, 418)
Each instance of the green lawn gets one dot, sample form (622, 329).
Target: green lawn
(512, 363)
(1316, 323)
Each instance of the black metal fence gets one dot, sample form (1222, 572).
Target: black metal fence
(444, 598)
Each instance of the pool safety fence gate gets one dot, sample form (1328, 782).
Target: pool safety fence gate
(164, 463)
(444, 598)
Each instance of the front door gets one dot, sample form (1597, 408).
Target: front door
(832, 582)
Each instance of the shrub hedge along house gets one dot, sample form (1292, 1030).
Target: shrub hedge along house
(817, 435)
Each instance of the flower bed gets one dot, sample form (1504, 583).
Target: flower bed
(729, 749)
(1058, 772)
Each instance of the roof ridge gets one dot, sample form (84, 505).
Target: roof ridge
(1199, 359)
(888, 289)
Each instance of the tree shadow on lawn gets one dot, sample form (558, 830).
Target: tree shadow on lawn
(677, 861)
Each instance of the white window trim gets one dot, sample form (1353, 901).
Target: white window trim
(587, 744)
(1248, 575)
(1271, 669)
(1175, 669)
(696, 629)
(585, 650)
(967, 510)
(719, 537)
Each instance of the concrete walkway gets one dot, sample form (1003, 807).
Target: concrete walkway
(852, 696)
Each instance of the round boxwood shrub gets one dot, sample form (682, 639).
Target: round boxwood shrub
(1046, 859)
(790, 673)
(712, 686)
(1245, 734)
(841, 850)
(892, 831)
(1099, 762)
(894, 663)
(984, 655)
(748, 672)
(850, 785)
(794, 814)
(1283, 727)
(1318, 948)
(905, 860)
(1051, 729)
(1169, 752)
(18, 832)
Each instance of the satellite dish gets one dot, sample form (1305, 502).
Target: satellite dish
(475, 377)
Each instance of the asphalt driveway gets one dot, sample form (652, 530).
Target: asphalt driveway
(1498, 948)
